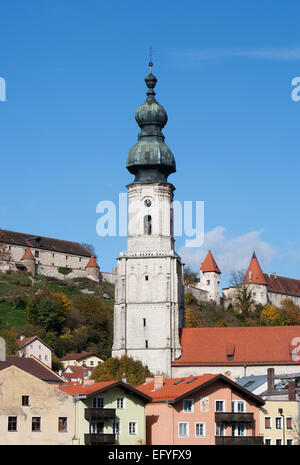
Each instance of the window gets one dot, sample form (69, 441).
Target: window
(36, 254)
(238, 406)
(36, 424)
(120, 403)
(144, 321)
(183, 430)
(268, 442)
(188, 405)
(199, 430)
(132, 428)
(268, 423)
(62, 424)
(147, 277)
(289, 423)
(220, 405)
(98, 402)
(289, 442)
(91, 363)
(12, 424)
(220, 429)
(146, 343)
(117, 427)
(147, 225)
(278, 442)
(208, 282)
(239, 429)
(25, 400)
(278, 423)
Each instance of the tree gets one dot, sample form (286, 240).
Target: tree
(271, 315)
(193, 317)
(49, 311)
(189, 276)
(114, 369)
(290, 312)
(243, 300)
(90, 248)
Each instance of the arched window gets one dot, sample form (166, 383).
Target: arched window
(148, 225)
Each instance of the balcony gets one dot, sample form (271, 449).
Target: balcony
(99, 413)
(91, 439)
(239, 440)
(233, 417)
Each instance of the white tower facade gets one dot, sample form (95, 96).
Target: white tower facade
(149, 298)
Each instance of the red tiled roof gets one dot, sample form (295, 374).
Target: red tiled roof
(78, 356)
(27, 340)
(33, 367)
(46, 243)
(209, 264)
(281, 285)
(27, 255)
(75, 389)
(92, 263)
(252, 345)
(254, 273)
(174, 389)
(78, 372)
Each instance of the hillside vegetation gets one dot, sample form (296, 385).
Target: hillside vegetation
(69, 315)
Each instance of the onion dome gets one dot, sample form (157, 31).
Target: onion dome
(150, 159)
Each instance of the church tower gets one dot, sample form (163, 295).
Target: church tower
(149, 295)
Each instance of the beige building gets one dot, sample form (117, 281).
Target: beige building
(82, 359)
(279, 422)
(34, 347)
(46, 256)
(32, 411)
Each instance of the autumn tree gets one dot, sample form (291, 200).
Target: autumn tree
(193, 317)
(271, 315)
(114, 369)
(189, 277)
(49, 310)
(290, 312)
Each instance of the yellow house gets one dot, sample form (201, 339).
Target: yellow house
(279, 422)
(83, 359)
(32, 411)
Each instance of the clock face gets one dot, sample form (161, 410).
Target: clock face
(147, 201)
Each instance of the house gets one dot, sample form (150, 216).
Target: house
(75, 373)
(32, 410)
(34, 346)
(84, 359)
(205, 410)
(46, 256)
(279, 416)
(267, 288)
(238, 351)
(109, 412)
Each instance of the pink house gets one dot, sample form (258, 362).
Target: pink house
(206, 409)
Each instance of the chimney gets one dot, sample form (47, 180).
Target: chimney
(271, 377)
(22, 337)
(158, 381)
(149, 380)
(292, 390)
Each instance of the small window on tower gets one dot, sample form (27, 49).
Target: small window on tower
(148, 225)
(208, 282)
(146, 344)
(144, 321)
(147, 278)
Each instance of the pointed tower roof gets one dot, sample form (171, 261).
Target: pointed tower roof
(92, 263)
(209, 264)
(27, 255)
(254, 273)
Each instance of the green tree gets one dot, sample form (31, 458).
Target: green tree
(49, 311)
(113, 369)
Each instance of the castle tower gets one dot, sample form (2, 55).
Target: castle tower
(29, 261)
(255, 281)
(149, 299)
(92, 269)
(210, 277)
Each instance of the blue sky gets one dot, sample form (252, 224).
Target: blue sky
(74, 74)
